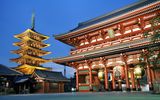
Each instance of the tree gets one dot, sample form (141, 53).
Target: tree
(152, 54)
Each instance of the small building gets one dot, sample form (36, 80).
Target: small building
(7, 76)
(49, 81)
(24, 84)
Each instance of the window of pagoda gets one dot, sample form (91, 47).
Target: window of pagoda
(29, 51)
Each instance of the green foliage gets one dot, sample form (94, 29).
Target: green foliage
(153, 54)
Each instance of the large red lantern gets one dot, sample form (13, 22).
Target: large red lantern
(118, 72)
(101, 75)
(139, 71)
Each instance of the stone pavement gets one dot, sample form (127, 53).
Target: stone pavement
(85, 96)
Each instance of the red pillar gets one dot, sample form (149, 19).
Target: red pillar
(138, 85)
(90, 78)
(77, 80)
(106, 78)
(113, 82)
(153, 75)
(43, 86)
(133, 80)
(149, 78)
(124, 57)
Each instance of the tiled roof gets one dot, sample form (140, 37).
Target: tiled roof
(8, 71)
(51, 76)
(107, 16)
(137, 5)
(21, 79)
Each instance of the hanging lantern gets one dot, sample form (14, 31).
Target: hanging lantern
(101, 75)
(138, 71)
(118, 72)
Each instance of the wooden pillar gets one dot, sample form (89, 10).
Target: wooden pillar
(43, 86)
(124, 58)
(59, 87)
(106, 78)
(138, 85)
(90, 78)
(90, 74)
(133, 80)
(149, 78)
(77, 80)
(113, 82)
(153, 75)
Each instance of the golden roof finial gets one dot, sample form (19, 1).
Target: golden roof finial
(33, 21)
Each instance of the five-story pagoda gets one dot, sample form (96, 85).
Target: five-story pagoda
(30, 51)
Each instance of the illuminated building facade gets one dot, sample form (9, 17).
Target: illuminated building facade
(107, 49)
(30, 51)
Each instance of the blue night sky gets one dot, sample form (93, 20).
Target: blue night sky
(51, 17)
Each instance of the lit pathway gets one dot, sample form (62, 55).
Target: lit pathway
(85, 96)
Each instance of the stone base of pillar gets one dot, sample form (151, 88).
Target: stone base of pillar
(128, 89)
(107, 89)
(150, 88)
(133, 89)
(119, 89)
(114, 90)
(139, 89)
(91, 90)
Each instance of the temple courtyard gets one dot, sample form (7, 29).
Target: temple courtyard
(85, 96)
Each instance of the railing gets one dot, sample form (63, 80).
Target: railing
(108, 44)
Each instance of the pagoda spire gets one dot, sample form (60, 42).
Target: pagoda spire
(33, 21)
